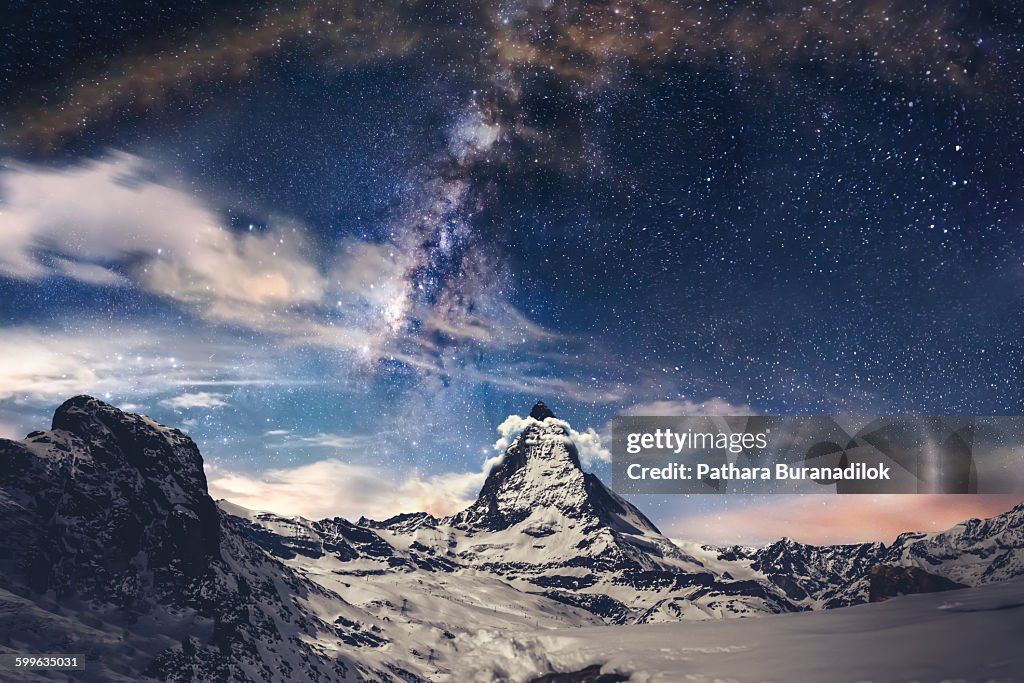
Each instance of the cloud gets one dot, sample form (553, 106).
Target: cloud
(584, 43)
(349, 443)
(825, 519)
(11, 430)
(590, 447)
(36, 367)
(78, 220)
(473, 135)
(338, 441)
(89, 273)
(588, 443)
(711, 407)
(41, 366)
(368, 282)
(199, 399)
(520, 380)
(332, 487)
(499, 324)
(227, 275)
(144, 82)
(113, 221)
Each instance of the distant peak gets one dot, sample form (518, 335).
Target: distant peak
(540, 411)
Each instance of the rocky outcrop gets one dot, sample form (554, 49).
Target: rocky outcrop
(887, 582)
(105, 502)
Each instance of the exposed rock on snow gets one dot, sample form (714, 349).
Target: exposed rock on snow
(890, 582)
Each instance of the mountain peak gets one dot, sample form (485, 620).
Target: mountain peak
(539, 475)
(540, 411)
(77, 411)
(146, 478)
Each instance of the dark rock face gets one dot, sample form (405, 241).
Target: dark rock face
(540, 411)
(889, 582)
(592, 674)
(608, 608)
(103, 498)
(106, 519)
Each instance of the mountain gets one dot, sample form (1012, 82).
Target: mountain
(808, 576)
(111, 546)
(973, 552)
(546, 526)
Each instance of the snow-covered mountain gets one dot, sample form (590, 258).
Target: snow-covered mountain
(546, 526)
(973, 552)
(111, 546)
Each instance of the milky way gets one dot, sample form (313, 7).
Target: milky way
(336, 235)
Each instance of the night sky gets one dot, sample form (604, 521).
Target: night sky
(340, 243)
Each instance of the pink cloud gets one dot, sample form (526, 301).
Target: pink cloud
(822, 519)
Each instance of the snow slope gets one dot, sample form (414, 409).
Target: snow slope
(967, 635)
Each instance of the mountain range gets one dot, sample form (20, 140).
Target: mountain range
(111, 547)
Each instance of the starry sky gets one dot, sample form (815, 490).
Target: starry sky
(341, 243)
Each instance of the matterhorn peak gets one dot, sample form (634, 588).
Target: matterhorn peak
(540, 470)
(540, 411)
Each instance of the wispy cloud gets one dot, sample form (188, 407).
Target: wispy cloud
(198, 399)
(344, 442)
(586, 44)
(713, 406)
(114, 221)
(589, 444)
(11, 430)
(349, 444)
(37, 368)
(42, 366)
(329, 488)
(89, 273)
(523, 381)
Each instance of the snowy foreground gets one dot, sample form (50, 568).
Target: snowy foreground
(975, 634)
